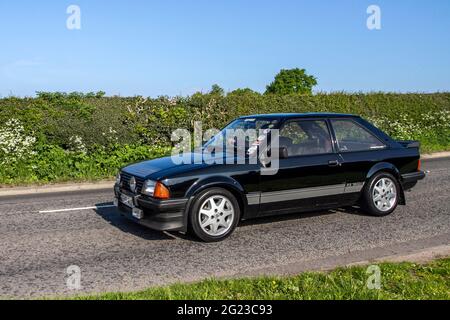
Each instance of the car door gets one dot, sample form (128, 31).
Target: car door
(310, 177)
(359, 150)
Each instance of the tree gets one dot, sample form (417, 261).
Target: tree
(217, 90)
(243, 91)
(293, 81)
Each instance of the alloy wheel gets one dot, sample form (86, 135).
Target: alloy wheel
(384, 194)
(216, 215)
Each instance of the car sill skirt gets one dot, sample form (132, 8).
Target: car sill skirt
(304, 193)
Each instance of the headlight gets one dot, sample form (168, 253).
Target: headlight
(149, 187)
(155, 189)
(118, 178)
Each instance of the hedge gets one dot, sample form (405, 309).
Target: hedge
(99, 134)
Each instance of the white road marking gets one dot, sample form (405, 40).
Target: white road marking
(77, 209)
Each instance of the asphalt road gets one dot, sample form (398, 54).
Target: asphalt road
(36, 247)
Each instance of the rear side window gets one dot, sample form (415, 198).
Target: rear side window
(352, 137)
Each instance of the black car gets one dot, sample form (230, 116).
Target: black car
(326, 161)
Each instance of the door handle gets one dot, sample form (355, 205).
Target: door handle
(334, 163)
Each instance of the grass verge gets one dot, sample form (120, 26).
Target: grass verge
(398, 281)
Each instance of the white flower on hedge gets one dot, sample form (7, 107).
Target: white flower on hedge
(14, 143)
(112, 131)
(173, 101)
(111, 136)
(77, 145)
(404, 127)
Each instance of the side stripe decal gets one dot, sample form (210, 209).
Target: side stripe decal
(304, 193)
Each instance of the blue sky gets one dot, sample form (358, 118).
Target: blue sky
(177, 47)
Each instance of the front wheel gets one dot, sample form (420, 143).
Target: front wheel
(214, 215)
(381, 194)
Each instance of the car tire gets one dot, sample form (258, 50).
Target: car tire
(381, 195)
(214, 215)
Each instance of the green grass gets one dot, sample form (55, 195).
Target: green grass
(398, 281)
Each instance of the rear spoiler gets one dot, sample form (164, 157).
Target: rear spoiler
(409, 143)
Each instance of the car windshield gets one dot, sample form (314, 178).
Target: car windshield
(251, 128)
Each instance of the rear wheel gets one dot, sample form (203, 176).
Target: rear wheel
(381, 194)
(214, 215)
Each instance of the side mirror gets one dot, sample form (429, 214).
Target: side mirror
(283, 153)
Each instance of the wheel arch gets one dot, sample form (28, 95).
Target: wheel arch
(226, 183)
(392, 169)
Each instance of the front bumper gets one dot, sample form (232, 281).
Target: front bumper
(161, 215)
(409, 180)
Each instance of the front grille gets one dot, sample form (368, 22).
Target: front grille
(125, 182)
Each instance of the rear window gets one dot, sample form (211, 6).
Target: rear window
(351, 136)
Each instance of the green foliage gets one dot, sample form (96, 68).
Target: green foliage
(52, 163)
(293, 81)
(406, 281)
(242, 92)
(78, 136)
(217, 90)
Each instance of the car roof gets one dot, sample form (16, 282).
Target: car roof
(301, 115)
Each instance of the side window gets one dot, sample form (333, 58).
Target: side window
(352, 137)
(306, 137)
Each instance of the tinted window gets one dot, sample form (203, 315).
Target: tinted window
(255, 123)
(352, 137)
(242, 124)
(305, 137)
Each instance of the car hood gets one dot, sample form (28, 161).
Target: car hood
(157, 168)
